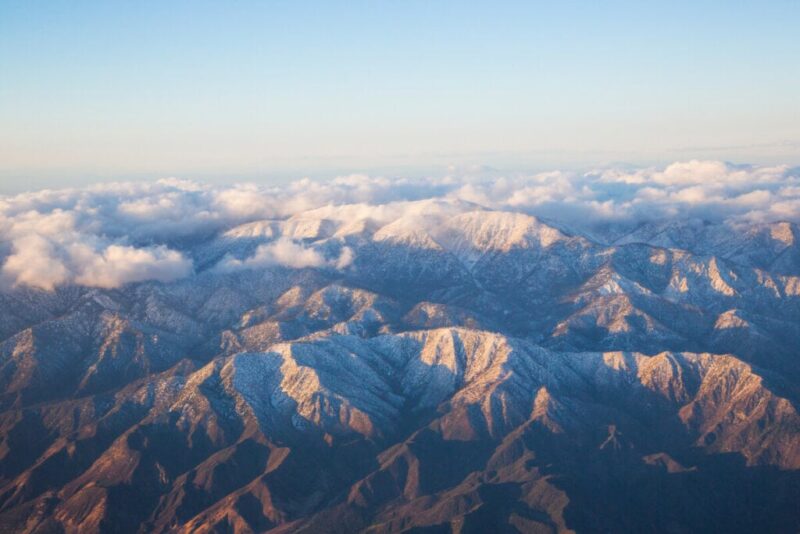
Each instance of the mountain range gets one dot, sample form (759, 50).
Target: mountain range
(440, 368)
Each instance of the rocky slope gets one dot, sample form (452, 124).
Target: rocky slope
(448, 369)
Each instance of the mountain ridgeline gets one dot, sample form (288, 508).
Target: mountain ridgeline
(450, 370)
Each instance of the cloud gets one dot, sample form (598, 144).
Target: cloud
(244, 201)
(34, 263)
(118, 265)
(345, 259)
(43, 263)
(112, 234)
(707, 189)
(285, 253)
(63, 246)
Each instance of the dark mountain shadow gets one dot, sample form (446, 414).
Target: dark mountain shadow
(717, 494)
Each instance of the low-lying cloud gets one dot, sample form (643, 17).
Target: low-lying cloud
(285, 252)
(43, 263)
(113, 234)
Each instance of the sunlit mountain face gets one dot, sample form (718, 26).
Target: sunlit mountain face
(610, 351)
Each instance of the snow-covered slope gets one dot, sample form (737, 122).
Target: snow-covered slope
(432, 365)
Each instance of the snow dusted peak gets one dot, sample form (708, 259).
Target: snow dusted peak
(463, 352)
(407, 231)
(257, 229)
(497, 231)
(297, 228)
(357, 227)
(307, 228)
(419, 221)
(609, 282)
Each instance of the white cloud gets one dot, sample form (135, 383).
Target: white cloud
(111, 234)
(244, 201)
(285, 253)
(118, 265)
(691, 195)
(71, 245)
(708, 189)
(345, 259)
(43, 263)
(692, 172)
(34, 263)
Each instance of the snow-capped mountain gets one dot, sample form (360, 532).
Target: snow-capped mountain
(416, 366)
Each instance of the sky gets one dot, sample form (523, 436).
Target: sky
(275, 90)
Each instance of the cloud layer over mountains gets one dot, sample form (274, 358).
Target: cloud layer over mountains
(112, 234)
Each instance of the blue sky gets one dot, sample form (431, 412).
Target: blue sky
(269, 90)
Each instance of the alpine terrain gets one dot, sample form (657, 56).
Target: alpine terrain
(432, 363)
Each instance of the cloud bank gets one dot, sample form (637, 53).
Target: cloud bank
(113, 234)
(286, 253)
(44, 263)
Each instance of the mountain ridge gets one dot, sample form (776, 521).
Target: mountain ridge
(465, 370)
